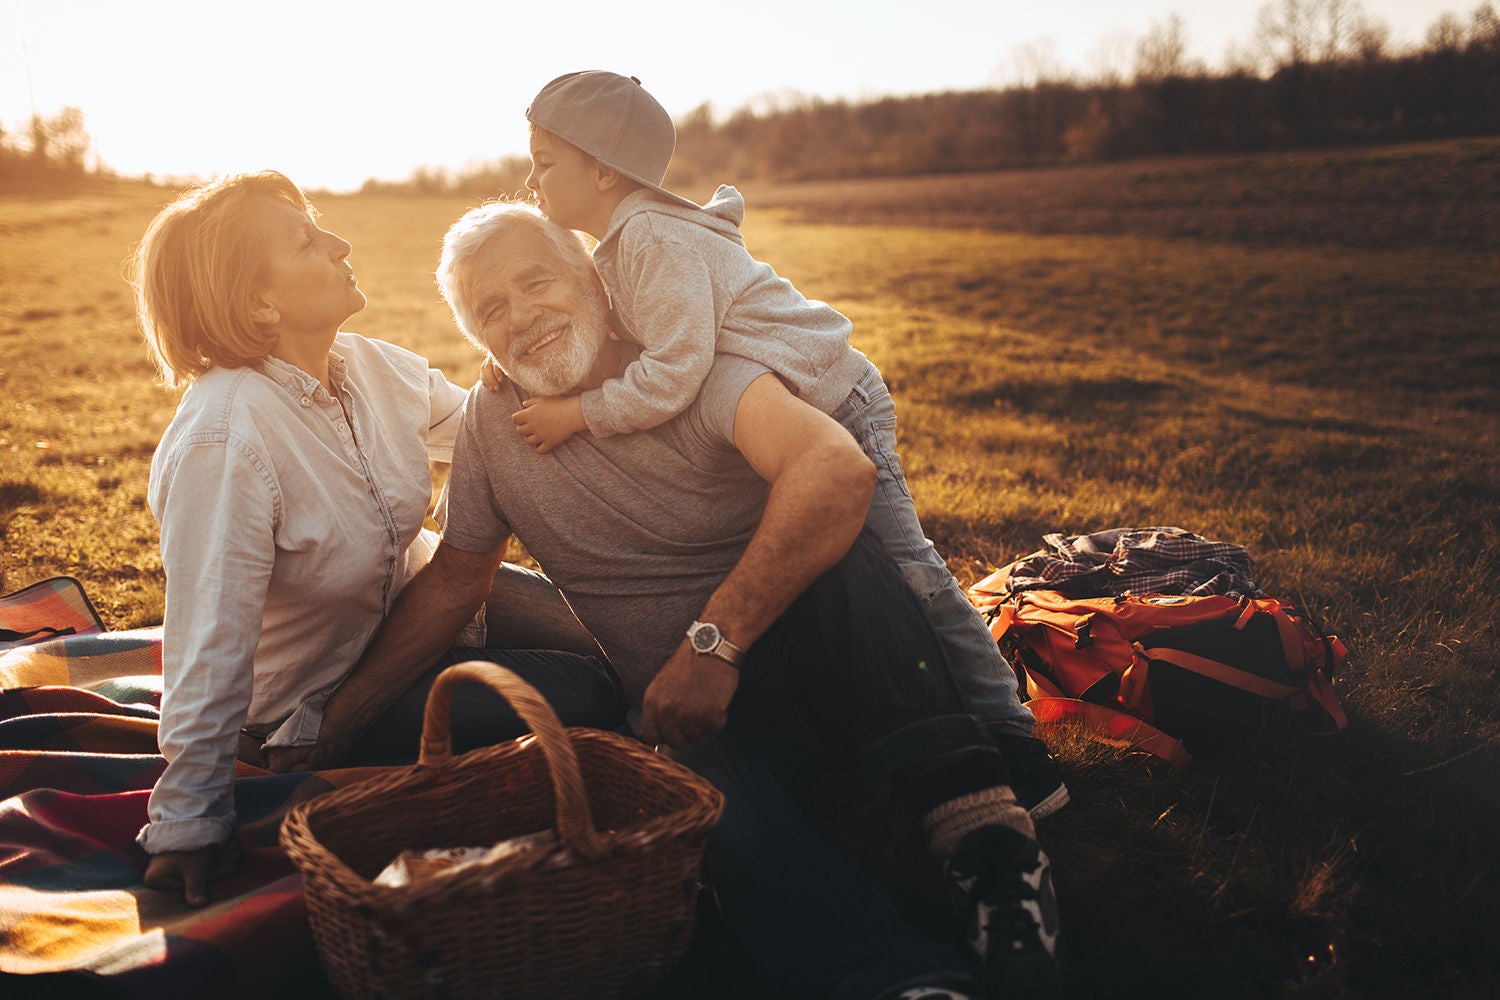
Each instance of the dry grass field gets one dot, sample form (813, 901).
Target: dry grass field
(1296, 353)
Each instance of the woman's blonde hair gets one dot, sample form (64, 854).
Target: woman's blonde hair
(196, 274)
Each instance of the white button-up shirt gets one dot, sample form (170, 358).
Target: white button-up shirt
(290, 520)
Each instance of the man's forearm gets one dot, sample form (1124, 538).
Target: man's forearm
(821, 484)
(431, 610)
(816, 508)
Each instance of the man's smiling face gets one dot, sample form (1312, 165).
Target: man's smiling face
(543, 322)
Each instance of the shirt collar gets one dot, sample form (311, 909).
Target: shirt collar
(300, 384)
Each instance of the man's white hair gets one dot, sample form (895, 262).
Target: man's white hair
(475, 229)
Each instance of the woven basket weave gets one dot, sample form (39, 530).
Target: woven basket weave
(607, 912)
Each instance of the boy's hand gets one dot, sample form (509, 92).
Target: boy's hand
(490, 374)
(547, 422)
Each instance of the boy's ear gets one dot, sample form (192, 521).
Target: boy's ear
(605, 178)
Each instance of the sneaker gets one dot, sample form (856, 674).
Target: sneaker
(1000, 885)
(1034, 775)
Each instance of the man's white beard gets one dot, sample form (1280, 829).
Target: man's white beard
(562, 369)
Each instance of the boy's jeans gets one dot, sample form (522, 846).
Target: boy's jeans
(987, 682)
(852, 676)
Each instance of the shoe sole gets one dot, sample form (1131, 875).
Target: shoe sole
(1051, 803)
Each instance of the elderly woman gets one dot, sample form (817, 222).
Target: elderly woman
(291, 489)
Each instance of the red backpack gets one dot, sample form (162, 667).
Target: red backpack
(1167, 673)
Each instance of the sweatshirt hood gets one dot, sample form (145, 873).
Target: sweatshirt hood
(723, 214)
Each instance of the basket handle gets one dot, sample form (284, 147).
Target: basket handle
(575, 823)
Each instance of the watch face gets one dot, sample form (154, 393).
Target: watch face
(705, 637)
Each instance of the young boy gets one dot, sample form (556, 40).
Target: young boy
(684, 288)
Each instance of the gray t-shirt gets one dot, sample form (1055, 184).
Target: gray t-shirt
(637, 530)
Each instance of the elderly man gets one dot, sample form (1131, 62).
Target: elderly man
(719, 561)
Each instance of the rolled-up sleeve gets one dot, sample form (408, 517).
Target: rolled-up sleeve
(446, 402)
(218, 505)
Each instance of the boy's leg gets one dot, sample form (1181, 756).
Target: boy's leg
(985, 679)
(805, 920)
(867, 671)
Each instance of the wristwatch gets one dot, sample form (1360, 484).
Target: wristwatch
(709, 641)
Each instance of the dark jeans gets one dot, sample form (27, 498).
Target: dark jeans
(851, 677)
(581, 690)
(532, 631)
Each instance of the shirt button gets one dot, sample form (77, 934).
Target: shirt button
(306, 400)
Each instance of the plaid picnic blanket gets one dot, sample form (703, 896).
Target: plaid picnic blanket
(46, 610)
(84, 661)
(76, 768)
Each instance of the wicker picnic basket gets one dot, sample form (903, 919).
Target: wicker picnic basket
(605, 912)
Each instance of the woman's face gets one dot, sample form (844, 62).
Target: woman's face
(308, 287)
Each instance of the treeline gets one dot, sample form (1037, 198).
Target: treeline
(1421, 96)
(1318, 72)
(51, 151)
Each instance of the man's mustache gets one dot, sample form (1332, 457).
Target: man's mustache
(541, 330)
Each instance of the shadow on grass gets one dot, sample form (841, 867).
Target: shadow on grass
(1314, 867)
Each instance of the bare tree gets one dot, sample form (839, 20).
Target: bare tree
(1162, 53)
(1109, 60)
(59, 142)
(1333, 20)
(1484, 27)
(1242, 59)
(1372, 40)
(1284, 33)
(1294, 32)
(1446, 34)
(1035, 62)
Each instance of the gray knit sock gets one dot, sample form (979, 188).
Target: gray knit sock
(952, 821)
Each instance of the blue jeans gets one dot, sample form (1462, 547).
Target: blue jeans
(532, 631)
(986, 680)
(852, 676)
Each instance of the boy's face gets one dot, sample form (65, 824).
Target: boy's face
(563, 178)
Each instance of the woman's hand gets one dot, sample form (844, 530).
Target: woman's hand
(191, 871)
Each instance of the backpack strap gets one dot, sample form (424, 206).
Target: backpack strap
(1333, 655)
(1291, 640)
(1322, 692)
(1042, 684)
(1002, 615)
(1110, 726)
(1292, 648)
(1221, 672)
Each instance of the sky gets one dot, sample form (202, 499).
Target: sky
(333, 93)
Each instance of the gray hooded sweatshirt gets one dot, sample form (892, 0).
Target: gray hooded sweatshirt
(686, 288)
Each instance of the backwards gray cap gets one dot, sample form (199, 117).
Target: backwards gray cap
(612, 118)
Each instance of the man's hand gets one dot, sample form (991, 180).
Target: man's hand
(688, 701)
(323, 755)
(547, 422)
(191, 871)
